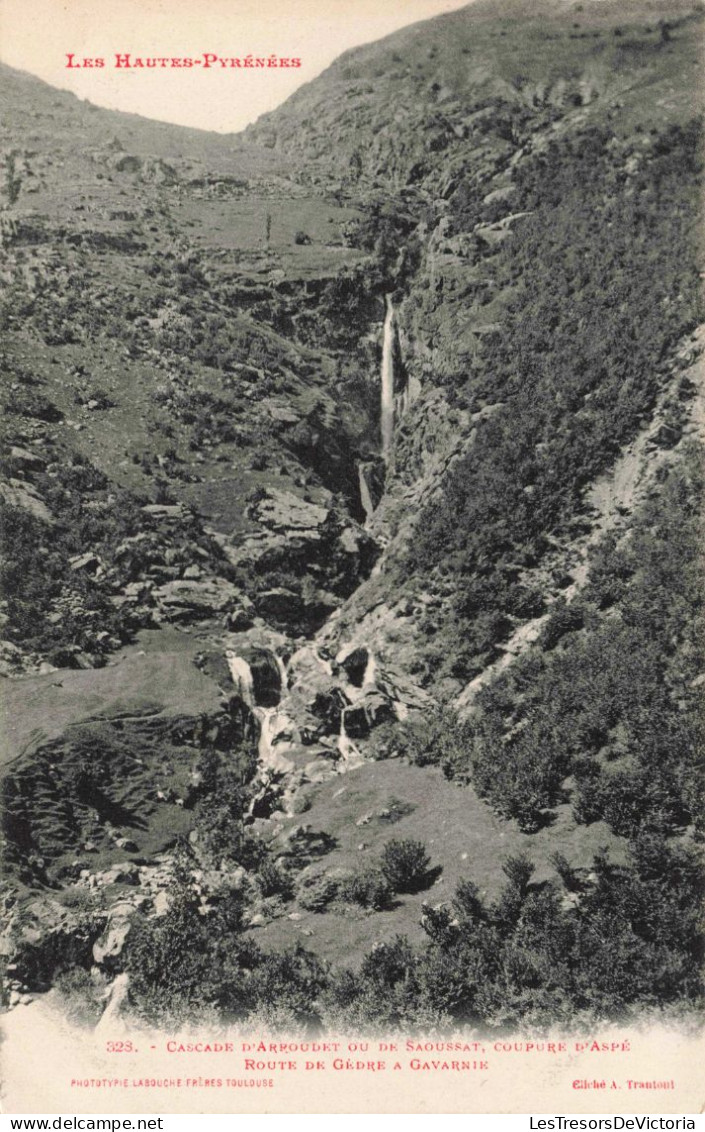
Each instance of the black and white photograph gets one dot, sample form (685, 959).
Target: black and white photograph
(351, 519)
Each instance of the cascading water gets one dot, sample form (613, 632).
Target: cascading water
(387, 409)
(346, 747)
(270, 727)
(282, 673)
(242, 678)
(365, 498)
(273, 725)
(278, 734)
(370, 675)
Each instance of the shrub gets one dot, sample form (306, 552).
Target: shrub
(564, 619)
(438, 738)
(318, 892)
(81, 996)
(273, 881)
(369, 888)
(405, 864)
(79, 899)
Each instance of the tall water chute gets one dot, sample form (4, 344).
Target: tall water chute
(387, 379)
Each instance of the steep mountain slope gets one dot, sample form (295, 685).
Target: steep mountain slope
(352, 525)
(442, 78)
(491, 114)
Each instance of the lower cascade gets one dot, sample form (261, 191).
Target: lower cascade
(282, 672)
(312, 687)
(243, 679)
(365, 497)
(274, 737)
(346, 747)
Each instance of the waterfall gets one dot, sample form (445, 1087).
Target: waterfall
(282, 673)
(242, 677)
(370, 676)
(387, 413)
(117, 997)
(365, 498)
(347, 748)
(267, 730)
(277, 739)
(273, 725)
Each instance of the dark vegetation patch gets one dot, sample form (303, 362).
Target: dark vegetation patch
(107, 791)
(616, 708)
(537, 955)
(577, 363)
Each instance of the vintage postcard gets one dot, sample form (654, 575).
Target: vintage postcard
(353, 413)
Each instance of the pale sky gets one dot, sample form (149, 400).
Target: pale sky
(37, 35)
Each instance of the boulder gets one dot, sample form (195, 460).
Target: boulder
(354, 663)
(125, 872)
(295, 803)
(164, 510)
(266, 676)
(360, 553)
(282, 511)
(19, 494)
(328, 706)
(89, 562)
(310, 666)
(312, 681)
(25, 460)
(319, 770)
(162, 901)
(195, 599)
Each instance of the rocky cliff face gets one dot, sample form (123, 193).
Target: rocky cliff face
(312, 480)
